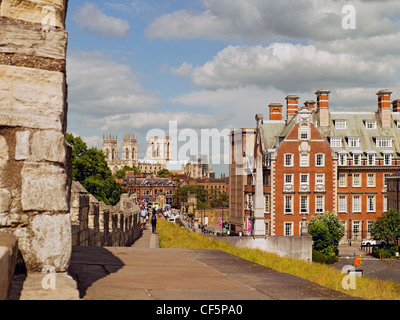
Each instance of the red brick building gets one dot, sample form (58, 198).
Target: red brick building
(315, 160)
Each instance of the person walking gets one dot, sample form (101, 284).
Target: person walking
(154, 221)
(143, 217)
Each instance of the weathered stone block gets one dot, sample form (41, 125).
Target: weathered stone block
(22, 148)
(3, 148)
(32, 98)
(38, 11)
(44, 188)
(5, 200)
(49, 146)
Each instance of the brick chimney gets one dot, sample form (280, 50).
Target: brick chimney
(396, 105)
(384, 107)
(275, 111)
(323, 107)
(310, 104)
(292, 104)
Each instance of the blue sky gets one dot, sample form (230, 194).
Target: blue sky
(134, 66)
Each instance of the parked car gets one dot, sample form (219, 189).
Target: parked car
(372, 242)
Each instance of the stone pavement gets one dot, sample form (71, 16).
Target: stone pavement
(371, 266)
(143, 273)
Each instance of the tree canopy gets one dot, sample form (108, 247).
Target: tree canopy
(121, 173)
(387, 226)
(326, 230)
(89, 167)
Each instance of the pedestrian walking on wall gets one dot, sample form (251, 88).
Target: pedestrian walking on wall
(143, 217)
(154, 221)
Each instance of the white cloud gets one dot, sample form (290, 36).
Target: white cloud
(89, 17)
(101, 87)
(288, 67)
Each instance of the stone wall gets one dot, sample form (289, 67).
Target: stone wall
(34, 179)
(96, 224)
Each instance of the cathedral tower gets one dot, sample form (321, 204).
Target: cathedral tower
(130, 150)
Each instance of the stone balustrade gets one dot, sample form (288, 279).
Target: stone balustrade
(96, 224)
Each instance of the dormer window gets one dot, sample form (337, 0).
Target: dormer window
(354, 142)
(336, 142)
(370, 124)
(384, 142)
(340, 124)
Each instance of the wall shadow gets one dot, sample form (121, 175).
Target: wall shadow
(90, 264)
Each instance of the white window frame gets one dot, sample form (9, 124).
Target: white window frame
(319, 204)
(356, 159)
(266, 203)
(322, 160)
(371, 180)
(387, 159)
(371, 204)
(342, 159)
(342, 184)
(320, 178)
(371, 159)
(384, 142)
(336, 142)
(354, 142)
(370, 124)
(307, 182)
(289, 156)
(357, 204)
(304, 207)
(340, 124)
(304, 160)
(342, 204)
(304, 131)
(288, 179)
(356, 225)
(288, 204)
(385, 203)
(357, 183)
(288, 229)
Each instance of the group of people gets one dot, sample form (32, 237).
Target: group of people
(144, 217)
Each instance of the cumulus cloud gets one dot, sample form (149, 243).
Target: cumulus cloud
(288, 67)
(101, 87)
(89, 17)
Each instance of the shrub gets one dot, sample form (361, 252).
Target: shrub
(319, 257)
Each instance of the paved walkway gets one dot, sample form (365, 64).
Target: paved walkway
(371, 266)
(143, 273)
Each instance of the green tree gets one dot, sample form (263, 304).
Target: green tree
(181, 194)
(163, 172)
(326, 230)
(387, 226)
(121, 173)
(89, 167)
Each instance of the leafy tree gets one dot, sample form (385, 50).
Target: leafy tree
(121, 173)
(163, 172)
(387, 226)
(326, 230)
(181, 194)
(89, 167)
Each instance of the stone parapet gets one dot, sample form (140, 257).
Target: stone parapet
(8, 261)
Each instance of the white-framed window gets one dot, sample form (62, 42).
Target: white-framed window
(288, 228)
(340, 124)
(288, 179)
(267, 228)
(371, 203)
(319, 204)
(342, 204)
(249, 201)
(384, 142)
(371, 159)
(266, 204)
(342, 159)
(303, 204)
(356, 159)
(320, 160)
(288, 160)
(304, 160)
(356, 228)
(371, 180)
(387, 159)
(336, 142)
(342, 180)
(320, 178)
(304, 178)
(356, 203)
(304, 131)
(288, 204)
(385, 203)
(354, 142)
(370, 124)
(357, 180)
(370, 224)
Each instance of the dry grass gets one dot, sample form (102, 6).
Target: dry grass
(172, 236)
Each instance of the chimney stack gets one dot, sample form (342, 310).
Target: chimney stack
(323, 107)
(292, 104)
(396, 105)
(275, 111)
(310, 104)
(384, 107)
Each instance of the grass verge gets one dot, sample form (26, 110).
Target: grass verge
(172, 236)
